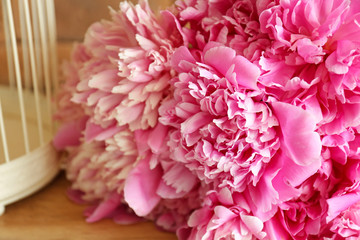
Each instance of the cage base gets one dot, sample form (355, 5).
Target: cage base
(27, 174)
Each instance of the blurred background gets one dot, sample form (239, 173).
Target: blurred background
(73, 18)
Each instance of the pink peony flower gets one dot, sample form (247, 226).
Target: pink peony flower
(98, 171)
(227, 119)
(227, 133)
(304, 217)
(223, 216)
(71, 116)
(234, 23)
(347, 225)
(210, 110)
(303, 27)
(128, 72)
(117, 79)
(326, 87)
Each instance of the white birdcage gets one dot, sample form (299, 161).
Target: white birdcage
(28, 77)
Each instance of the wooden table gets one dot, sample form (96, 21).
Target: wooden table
(49, 215)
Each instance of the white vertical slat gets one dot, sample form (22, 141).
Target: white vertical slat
(45, 58)
(3, 136)
(37, 44)
(51, 19)
(24, 46)
(7, 5)
(10, 61)
(34, 74)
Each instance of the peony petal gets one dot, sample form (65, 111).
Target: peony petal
(198, 217)
(340, 203)
(195, 122)
(94, 131)
(105, 208)
(157, 137)
(168, 192)
(140, 188)
(275, 230)
(300, 141)
(105, 80)
(223, 63)
(247, 73)
(69, 134)
(180, 55)
(254, 224)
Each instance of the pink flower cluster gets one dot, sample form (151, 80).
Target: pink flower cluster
(221, 119)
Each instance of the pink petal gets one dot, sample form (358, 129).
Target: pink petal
(140, 188)
(105, 80)
(182, 54)
(94, 131)
(168, 192)
(247, 73)
(340, 203)
(199, 217)
(254, 224)
(157, 137)
(195, 122)
(223, 63)
(179, 177)
(300, 141)
(69, 134)
(275, 230)
(225, 196)
(105, 208)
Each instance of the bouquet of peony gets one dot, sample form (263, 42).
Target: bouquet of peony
(218, 119)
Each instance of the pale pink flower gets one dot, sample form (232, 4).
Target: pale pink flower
(128, 70)
(118, 76)
(71, 116)
(225, 215)
(98, 170)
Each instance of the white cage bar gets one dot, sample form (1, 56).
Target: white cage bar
(28, 160)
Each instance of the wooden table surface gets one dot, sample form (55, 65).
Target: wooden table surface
(49, 215)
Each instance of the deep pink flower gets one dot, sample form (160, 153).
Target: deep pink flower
(304, 217)
(228, 135)
(234, 23)
(303, 27)
(347, 224)
(325, 85)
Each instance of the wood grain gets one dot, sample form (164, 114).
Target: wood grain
(49, 215)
